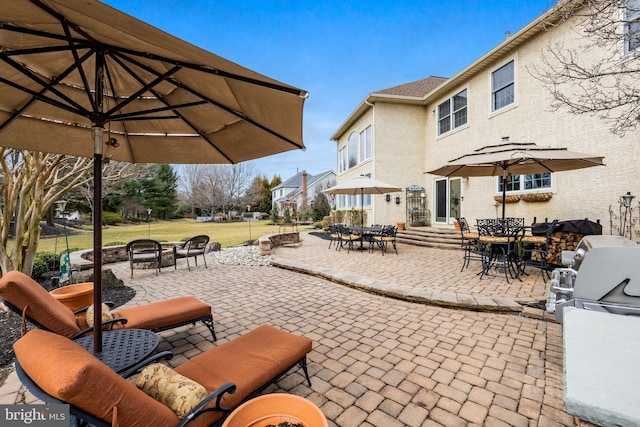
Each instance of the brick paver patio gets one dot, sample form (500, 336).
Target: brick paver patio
(378, 361)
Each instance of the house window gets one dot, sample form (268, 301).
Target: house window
(538, 181)
(502, 87)
(632, 26)
(365, 144)
(342, 159)
(352, 150)
(452, 113)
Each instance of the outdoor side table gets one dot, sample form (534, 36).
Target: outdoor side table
(122, 348)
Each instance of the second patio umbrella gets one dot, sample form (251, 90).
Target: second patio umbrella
(362, 185)
(78, 77)
(512, 158)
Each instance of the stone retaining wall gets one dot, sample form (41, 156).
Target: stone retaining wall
(277, 239)
(83, 260)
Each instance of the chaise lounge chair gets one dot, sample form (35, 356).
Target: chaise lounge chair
(31, 301)
(57, 370)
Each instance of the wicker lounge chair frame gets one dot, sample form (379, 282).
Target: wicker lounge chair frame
(193, 247)
(145, 251)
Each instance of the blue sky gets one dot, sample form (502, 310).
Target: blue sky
(339, 51)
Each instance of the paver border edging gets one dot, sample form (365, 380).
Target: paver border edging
(439, 299)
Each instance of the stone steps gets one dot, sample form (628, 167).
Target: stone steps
(443, 238)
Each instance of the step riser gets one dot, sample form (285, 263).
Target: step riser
(433, 237)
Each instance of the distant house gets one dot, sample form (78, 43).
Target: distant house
(297, 193)
(397, 134)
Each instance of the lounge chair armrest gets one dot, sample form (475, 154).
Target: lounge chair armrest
(112, 322)
(151, 359)
(217, 394)
(90, 328)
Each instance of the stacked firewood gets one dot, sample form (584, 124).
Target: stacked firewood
(562, 241)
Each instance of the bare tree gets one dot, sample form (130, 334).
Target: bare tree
(31, 183)
(599, 75)
(211, 187)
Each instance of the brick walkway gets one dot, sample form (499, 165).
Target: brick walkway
(378, 361)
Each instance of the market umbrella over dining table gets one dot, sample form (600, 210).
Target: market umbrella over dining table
(513, 158)
(79, 77)
(362, 185)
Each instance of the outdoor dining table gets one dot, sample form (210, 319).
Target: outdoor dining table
(122, 348)
(500, 245)
(364, 233)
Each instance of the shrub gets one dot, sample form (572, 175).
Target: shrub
(111, 218)
(318, 225)
(43, 262)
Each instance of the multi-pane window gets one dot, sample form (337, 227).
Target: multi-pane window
(365, 144)
(632, 26)
(452, 113)
(536, 181)
(342, 159)
(502, 86)
(352, 149)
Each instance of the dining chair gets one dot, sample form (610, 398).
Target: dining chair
(346, 237)
(536, 251)
(500, 244)
(469, 243)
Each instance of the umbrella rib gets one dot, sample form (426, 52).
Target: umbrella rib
(76, 59)
(45, 85)
(143, 89)
(199, 95)
(140, 115)
(161, 99)
(149, 55)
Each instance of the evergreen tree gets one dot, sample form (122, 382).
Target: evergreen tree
(320, 206)
(160, 192)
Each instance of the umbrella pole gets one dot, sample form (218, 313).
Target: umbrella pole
(362, 207)
(97, 240)
(505, 181)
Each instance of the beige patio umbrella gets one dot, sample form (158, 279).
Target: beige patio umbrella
(362, 185)
(512, 158)
(78, 77)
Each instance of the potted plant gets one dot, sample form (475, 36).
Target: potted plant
(74, 296)
(276, 409)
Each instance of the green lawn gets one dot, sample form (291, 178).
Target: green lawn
(228, 234)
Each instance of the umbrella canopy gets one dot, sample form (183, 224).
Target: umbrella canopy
(78, 77)
(512, 158)
(362, 185)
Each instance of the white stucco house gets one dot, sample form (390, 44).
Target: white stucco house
(298, 192)
(398, 134)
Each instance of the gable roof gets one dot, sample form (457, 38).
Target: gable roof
(296, 180)
(419, 88)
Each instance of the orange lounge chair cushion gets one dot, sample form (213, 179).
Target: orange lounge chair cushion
(22, 291)
(249, 361)
(164, 313)
(68, 372)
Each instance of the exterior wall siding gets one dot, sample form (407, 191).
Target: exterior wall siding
(405, 144)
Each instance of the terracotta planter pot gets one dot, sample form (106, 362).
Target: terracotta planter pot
(275, 409)
(75, 296)
(401, 225)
